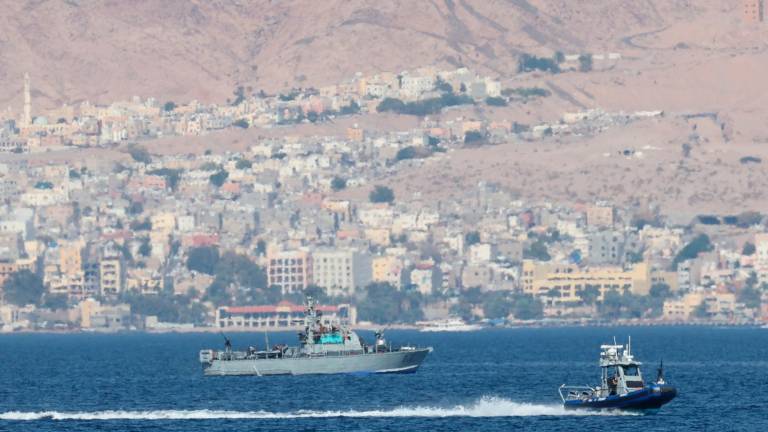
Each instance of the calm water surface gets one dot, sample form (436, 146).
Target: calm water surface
(493, 380)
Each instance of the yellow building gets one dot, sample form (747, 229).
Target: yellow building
(355, 134)
(600, 216)
(387, 269)
(93, 314)
(567, 280)
(683, 308)
(8, 268)
(665, 277)
(71, 258)
(378, 236)
(163, 222)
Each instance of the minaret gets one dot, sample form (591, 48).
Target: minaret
(27, 120)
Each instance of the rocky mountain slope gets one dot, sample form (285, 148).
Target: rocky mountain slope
(202, 49)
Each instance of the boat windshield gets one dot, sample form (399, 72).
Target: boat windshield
(631, 370)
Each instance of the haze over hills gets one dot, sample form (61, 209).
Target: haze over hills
(178, 49)
(681, 57)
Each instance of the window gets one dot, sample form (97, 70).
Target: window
(631, 370)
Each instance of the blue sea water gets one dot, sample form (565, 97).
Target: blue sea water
(492, 380)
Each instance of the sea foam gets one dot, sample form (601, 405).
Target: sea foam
(484, 407)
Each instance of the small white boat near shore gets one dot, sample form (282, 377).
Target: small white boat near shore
(448, 325)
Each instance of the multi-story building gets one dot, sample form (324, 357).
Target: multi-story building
(340, 272)
(110, 276)
(600, 216)
(290, 270)
(8, 268)
(563, 282)
(282, 315)
(387, 269)
(606, 247)
(752, 11)
(761, 256)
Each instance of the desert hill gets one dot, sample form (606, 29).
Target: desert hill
(201, 49)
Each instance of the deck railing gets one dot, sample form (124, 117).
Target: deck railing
(575, 392)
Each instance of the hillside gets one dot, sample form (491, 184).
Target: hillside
(182, 50)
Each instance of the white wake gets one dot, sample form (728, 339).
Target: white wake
(484, 407)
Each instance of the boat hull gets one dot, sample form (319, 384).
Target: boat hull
(651, 397)
(386, 362)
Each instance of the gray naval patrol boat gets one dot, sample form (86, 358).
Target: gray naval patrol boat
(322, 350)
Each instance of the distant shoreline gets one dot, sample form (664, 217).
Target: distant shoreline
(519, 325)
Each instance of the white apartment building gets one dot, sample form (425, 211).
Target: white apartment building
(341, 272)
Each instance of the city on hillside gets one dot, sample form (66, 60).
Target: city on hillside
(239, 239)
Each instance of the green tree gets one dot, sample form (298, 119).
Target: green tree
(145, 249)
(497, 304)
(381, 194)
(261, 247)
(135, 208)
(384, 304)
(243, 164)
(406, 153)
(239, 269)
(238, 279)
(390, 104)
(166, 306)
(748, 249)
(442, 86)
(338, 183)
(537, 250)
(611, 305)
(696, 246)
(589, 294)
(660, 290)
(655, 301)
(472, 237)
(495, 101)
(217, 179)
(748, 219)
(22, 288)
(239, 94)
(140, 154)
(527, 307)
(143, 225)
(585, 62)
(701, 311)
(55, 301)
(473, 137)
(634, 257)
(203, 259)
(169, 106)
(423, 107)
(750, 296)
(528, 63)
(241, 123)
(172, 176)
(352, 108)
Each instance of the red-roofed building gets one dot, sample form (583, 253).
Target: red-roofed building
(282, 315)
(200, 239)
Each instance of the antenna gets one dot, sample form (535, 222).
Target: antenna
(227, 342)
(660, 373)
(266, 339)
(629, 346)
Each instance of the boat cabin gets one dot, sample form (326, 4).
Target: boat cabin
(620, 371)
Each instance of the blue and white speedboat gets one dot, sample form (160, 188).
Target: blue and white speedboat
(622, 387)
